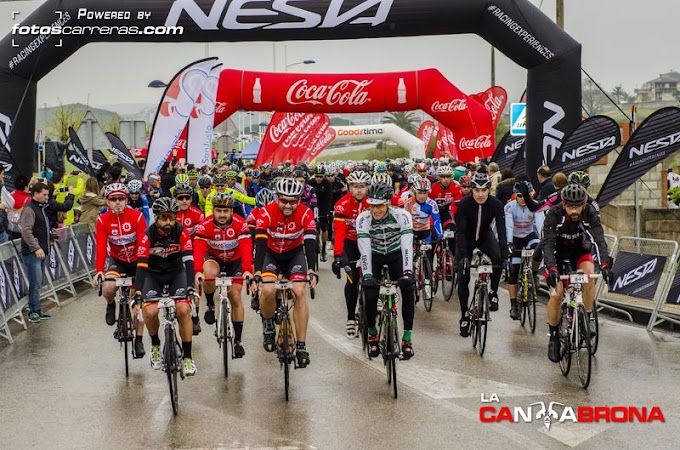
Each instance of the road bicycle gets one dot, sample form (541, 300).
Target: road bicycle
(223, 326)
(574, 330)
(126, 325)
(479, 309)
(172, 350)
(425, 276)
(445, 272)
(389, 328)
(526, 290)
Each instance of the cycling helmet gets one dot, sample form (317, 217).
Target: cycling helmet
(248, 172)
(134, 187)
(517, 187)
(204, 181)
(223, 200)
(465, 181)
(181, 178)
(480, 181)
(573, 194)
(380, 194)
(358, 177)
(264, 197)
(288, 187)
(220, 178)
(581, 178)
(423, 184)
(421, 167)
(380, 168)
(164, 205)
(413, 179)
(445, 171)
(287, 171)
(257, 173)
(382, 178)
(407, 168)
(115, 188)
(393, 167)
(300, 174)
(192, 174)
(234, 167)
(183, 189)
(231, 174)
(320, 170)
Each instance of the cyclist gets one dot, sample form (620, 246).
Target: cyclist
(222, 244)
(204, 190)
(286, 234)
(521, 232)
(346, 210)
(263, 198)
(474, 218)
(447, 193)
(308, 197)
(385, 236)
(118, 233)
(572, 231)
(138, 200)
(324, 196)
(165, 258)
(241, 210)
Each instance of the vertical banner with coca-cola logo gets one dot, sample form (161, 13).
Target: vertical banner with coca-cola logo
(445, 144)
(494, 100)
(281, 125)
(321, 143)
(123, 155)
(508, 150)
(657, 137)
(200, 134)
(319, 137)
(591, 140)
(298, 142)
(426, 132)
(177, 105)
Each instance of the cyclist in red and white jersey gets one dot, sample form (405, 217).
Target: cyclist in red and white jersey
(222, 244)
(347, 209)
(118, 233)
(447, 193)
(285, 243)
(189, 216)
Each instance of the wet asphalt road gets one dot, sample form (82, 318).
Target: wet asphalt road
(62, 385)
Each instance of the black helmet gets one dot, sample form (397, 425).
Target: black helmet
(573, 194)
(183, 189)
(379, 194)
(581, 178)
(164, 205)
(223, 200)
(480, 181)
(204, 181)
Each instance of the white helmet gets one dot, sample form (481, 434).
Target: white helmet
(445, 170)
(358, 177)
(289, 187)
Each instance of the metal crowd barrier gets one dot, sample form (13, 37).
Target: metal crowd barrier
(68, 263)
(643, 271)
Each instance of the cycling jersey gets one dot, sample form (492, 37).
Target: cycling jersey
(251, 220)
(474, 220)
(118, 236)
(202, 199)
(446, 199)
(392, 234)
(519, 220)
(560, 234)
(227, 244)
(422, 213)
(324, 194)
(160, 254)
(308, 197)
(141, 205)
(239, 197)
(280, 234)
(347, 209)
(190, 218)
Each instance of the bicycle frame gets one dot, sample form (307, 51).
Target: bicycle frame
(389, 343)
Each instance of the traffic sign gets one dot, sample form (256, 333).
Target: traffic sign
(518, 119)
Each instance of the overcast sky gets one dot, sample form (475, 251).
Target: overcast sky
(625, 42)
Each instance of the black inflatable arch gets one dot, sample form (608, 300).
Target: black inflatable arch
(515, 27)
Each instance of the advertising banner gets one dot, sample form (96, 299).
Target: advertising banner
(177, 105)
(123, 155)
(657, 137)
(445, 146)
(591, 140)
(200, 134)
(674, 293)
(77, 155)
(507, 151)
(637, 275)
(494, 100)
(426, 132)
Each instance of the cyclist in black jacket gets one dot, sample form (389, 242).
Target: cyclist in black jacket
(572, 230)
(474, 217)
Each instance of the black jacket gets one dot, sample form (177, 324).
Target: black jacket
(504, 190)
(35, 230)
(474, 220)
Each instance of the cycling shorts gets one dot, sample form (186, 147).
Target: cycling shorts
(117, 268)
(155, 282)
(292, 265)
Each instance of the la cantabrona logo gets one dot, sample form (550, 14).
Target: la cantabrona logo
(292, 14)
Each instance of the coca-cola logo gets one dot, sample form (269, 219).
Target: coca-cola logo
(280, 130)
(446, 138)
(343, 92)
(220, 107)
(181, 144)
(455, 105)
(481, 142)
(322, 143)
(493, 104)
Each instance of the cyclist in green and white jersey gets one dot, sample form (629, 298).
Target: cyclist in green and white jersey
(385, 236)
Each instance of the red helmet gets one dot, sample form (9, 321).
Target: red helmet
(421, 167)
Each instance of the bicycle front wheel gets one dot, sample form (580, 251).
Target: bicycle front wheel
(286, 356)
(583, 350)
(447, 274)
(361, 319)
(394, 354)
(483, 319)
(428, 284)
(529, 301)
(124, 332)
(474, 330)
(565, 343)
(594, 339)
(171, 366)
(224, 338)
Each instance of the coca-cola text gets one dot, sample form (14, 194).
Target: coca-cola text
(455, 105)
(344, 92)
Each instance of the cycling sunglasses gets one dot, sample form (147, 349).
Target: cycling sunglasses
(183, 197)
